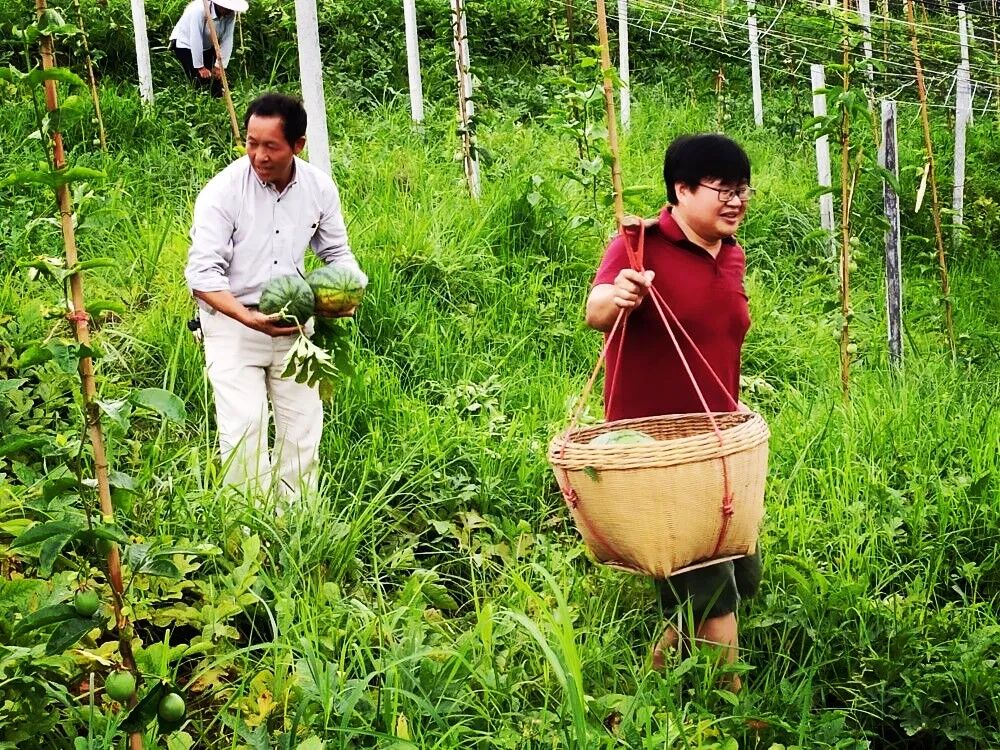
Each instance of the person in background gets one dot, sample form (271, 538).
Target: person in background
(191, 41)
(253, 222)
(698, 268)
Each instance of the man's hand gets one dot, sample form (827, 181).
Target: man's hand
(217, 71)
(204, 73)
(631, 287)
(267, 324)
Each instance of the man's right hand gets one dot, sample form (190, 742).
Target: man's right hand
(267, 324)
(631, 287)
(204, 73)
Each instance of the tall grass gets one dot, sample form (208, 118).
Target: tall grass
(435, 595)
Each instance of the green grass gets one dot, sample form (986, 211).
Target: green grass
(435, 595)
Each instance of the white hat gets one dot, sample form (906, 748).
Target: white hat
(239, 6)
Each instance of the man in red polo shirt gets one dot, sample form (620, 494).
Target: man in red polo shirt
(693, 261)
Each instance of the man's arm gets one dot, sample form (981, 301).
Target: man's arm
(607, 300)
(195, 24)
(226, 42)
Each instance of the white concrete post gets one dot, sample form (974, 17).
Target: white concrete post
(758, 100)
(963, 113)
(413, 61)
(865, 11)
(823, 172)
(889, 160)
(142, 51)
(964, 25)
(311, 76)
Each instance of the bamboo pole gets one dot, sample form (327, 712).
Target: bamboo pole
(935, 204)
(92, 82)
(609, 111)
(845, 222)
(466, 108)
(233, 122)
(81, 329)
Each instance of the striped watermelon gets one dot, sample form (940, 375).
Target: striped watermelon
(622, 437)
(337, 289)
(289, 296)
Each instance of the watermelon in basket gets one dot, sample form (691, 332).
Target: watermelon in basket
(690, 493)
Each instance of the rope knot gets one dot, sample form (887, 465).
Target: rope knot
(727, 506)
(572, 499)
(78, 316)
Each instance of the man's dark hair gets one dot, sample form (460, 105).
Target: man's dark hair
(288, 108)
(690, 159)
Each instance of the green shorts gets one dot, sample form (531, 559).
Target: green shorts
(713, 591)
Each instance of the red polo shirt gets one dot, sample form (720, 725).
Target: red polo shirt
(707, 296)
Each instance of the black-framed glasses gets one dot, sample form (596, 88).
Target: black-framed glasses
(744, 193)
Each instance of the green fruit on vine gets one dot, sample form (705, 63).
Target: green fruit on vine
(171, 707)
(86, 602)
(852, 348)
(120, 685)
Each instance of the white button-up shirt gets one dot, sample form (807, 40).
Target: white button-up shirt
(191, 32)
(245, 233)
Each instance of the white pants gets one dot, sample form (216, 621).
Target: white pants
(244, 367)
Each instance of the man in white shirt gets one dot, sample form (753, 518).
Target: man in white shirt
(191, 41)
(252, 222)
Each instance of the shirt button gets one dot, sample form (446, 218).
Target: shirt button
(277, 231)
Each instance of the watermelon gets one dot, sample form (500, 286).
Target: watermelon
(337, 289)
(622, 437)
(289, 296)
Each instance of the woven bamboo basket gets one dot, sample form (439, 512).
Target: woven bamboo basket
(659, 508)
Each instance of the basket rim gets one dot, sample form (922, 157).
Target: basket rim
(749, 432)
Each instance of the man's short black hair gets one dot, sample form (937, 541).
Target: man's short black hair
(288, 108)
(690, 159)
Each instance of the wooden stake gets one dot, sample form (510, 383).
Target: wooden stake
(466, 108)
(609, 111)
(81, 329)
(234, 123)
(889, 159)
(935, 204)
(845, 222)
(92, 82)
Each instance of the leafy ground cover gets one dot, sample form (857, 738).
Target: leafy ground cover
(435, 594)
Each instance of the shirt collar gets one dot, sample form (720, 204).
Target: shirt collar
(267, 185)
(673, 232)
